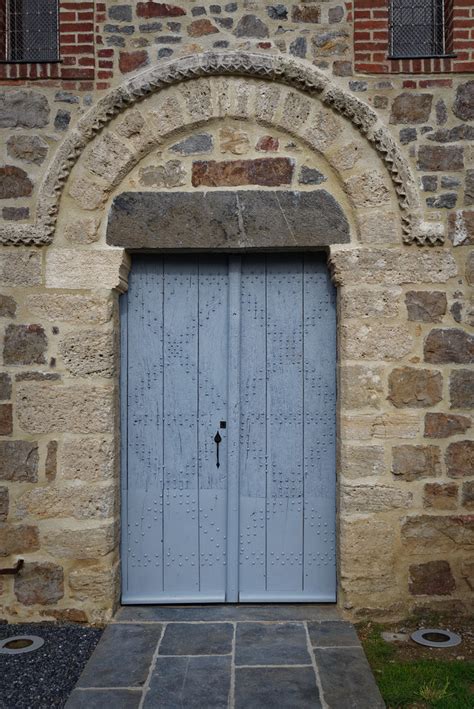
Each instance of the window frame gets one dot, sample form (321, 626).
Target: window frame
(6, 39)
(392, 55)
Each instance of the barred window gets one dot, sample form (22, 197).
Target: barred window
(417, 28)
(30, 30)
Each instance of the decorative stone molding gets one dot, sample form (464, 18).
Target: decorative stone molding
(272, 68)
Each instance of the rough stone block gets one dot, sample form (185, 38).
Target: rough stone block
(92, 582)
(170, 174)
(374, 498)
(4, 503)
(426, 306)
(86, 459)
(306, 13)
(464, 103)
(5, 386)
(380, 227)
(6, 420)
(408, 386)
(202, 28)
(460, 459)
(426, 533)
(78, 542)
(262, 219)
(468, 495)
(415, 462)
(461, 228)
(20, 267)
(73, 309)
(19, 461)
(89, 353)
(362, 461)
(440, 158)
(18, 539)
(461, 389)
(158, 9)
(370, 302)
(375, 341)
(410, 108)
(449, 346)
(323, 130)
(14, 183)
(46, 408)
(70, 268)
(434, 578)
(23, 109)
(67, 500)
(29, 148)
(444, 425)
(24, 344)
(194, 145)
(233, 141)
(270, 172)
(368, 189)
(361, 386)
(7, 306)
(39, 583)
(251, 26)
(440, 496)
(361, 427)
(51, 463)
(131, 61)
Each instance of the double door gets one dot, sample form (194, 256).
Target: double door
(228, 429)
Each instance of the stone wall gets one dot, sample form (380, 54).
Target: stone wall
(391, 151)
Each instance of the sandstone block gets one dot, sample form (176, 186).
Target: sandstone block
(426, 306)
(86, 459)
(88, 193)
(73, 309)
(70, 268)
(14, 183)
(368, 189)
(29, 148)
(440, 496)
(78, 542)
(110, 158)
(19, 461)
(361, 386)
(269, 172)
(24, 344)
(415, 387)
(368, 547)
(168, 117)
(444, 425)
(51, 464)
(464, 103)
(82, 231)
(89, 353)
(20, 267)
(362, 461)
(370, 302)
(460, 459)
(18, 539)
(378, 227)
(67, 500)
(410, 108)
(435, 532)
(468, 495)
(449, 346)
(6, 420)
(361, 427)
(296, 110)
(7, 306)
(461, 389)
(4, 503)
(39, 583)
(440, 158)
(374, 498)
(23, 109)
(375, 341)
(92, 582)
(46, 408)
(323, 129)
(414, 462)
(434, 578)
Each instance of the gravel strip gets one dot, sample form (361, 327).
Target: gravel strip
(44, 678)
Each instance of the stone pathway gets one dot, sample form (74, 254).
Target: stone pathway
(247, 657)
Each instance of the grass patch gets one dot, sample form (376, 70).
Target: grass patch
(424, 683)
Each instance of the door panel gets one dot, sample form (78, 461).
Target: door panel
(250, 343)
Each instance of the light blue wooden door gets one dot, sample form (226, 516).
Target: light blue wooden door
(242, 349)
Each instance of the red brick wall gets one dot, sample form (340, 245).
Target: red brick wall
(371, 40)
(76, 47)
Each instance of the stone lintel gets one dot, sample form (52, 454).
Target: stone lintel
(257, 219)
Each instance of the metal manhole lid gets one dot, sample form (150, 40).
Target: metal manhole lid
(445, 638)
(19, 644)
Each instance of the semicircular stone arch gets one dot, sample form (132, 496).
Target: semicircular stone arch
(274, 91)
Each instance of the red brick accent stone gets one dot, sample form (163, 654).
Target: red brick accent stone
(415, 462)
(444, 425)
(415, 387)
(6, 423)
(39, 583)
(460, 459)
(159, 9)
(451, 345)
(269, 172)
(440, 496)
(130, 61)
(200, 28)
(433, 578)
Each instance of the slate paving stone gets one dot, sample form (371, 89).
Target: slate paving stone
(197, 639)
(347, 680)
(275, 644)
(98, 699)
(332, 634)
(276, 687)
(240, 612)
(191, 682)
(123, 657)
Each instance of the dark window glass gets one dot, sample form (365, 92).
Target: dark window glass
(32, 31)
(417, 28)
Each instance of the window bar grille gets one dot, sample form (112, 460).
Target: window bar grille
(417, 28)
(32, 31)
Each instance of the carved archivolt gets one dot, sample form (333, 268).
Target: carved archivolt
(272, 68)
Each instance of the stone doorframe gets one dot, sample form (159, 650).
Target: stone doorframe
(369, 181)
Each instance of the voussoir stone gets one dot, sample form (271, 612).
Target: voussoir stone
(110, 159)
(460, 459)
(415, 462)
(415, 387)
(89, 353)
(51, 408)
(39, 583)
(23, 109)
(433, 578)
(19, 461)
(368, 190)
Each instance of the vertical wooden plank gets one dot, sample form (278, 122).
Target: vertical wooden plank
(233, 436)
(319, 430)
(144, 551)
(212, 409)
(123, 308)
(284, 425)
(181, 506)
(253, 462)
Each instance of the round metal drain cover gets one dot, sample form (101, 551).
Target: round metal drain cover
(434, 637)
(19, 644)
